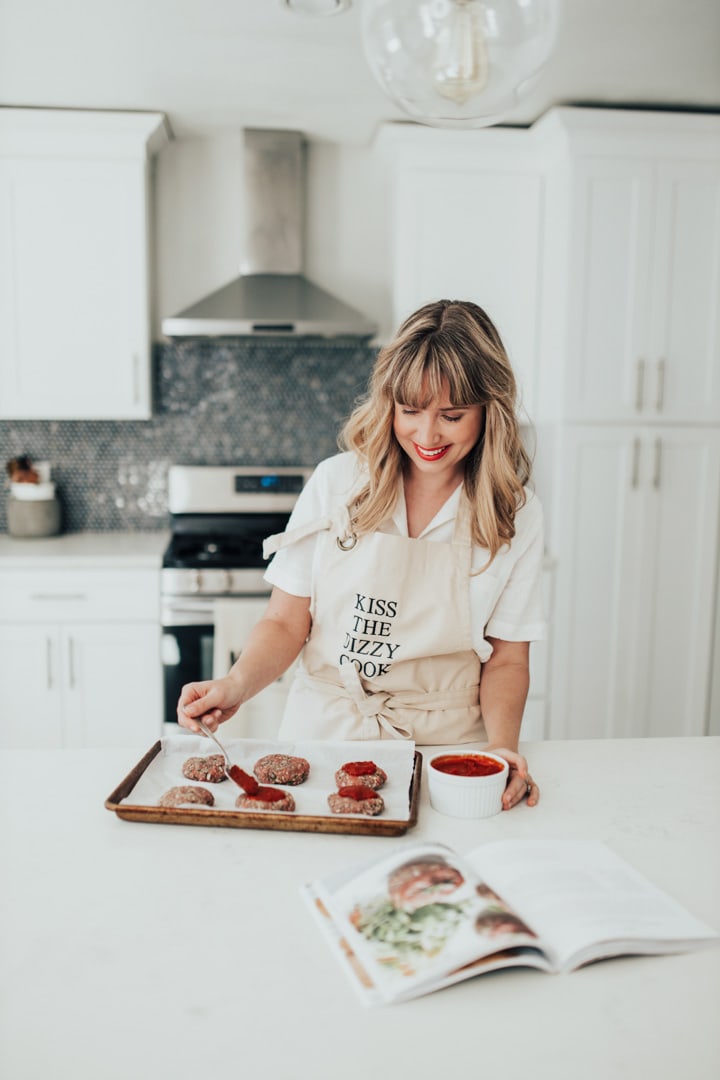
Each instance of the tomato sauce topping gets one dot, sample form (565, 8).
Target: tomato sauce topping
(268, 794)
(467, 765)
(248, 783)
(358, 792)
(360, 768)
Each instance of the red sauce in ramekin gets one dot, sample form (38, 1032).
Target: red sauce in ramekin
(466, 765)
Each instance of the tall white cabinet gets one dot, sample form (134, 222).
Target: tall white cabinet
(75, 289)
(630, 405)
(593, 240)
(468, 216)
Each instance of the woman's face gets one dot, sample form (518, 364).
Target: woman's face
(437, 439)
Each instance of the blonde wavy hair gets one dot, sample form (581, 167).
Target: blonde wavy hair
(453, 341)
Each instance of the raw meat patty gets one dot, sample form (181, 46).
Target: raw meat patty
(184, 796)
(211, 769)
(249, 802)
(282, 769)
(346, 801)
(366, 773)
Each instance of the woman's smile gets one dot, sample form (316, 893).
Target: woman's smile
(438, 438)
(431, 455)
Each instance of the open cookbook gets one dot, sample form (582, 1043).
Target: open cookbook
(424, 918)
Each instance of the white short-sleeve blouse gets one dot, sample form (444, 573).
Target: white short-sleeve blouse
(505, 599)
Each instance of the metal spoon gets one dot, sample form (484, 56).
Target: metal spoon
(244, 781)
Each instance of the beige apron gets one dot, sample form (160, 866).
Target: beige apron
(390, 651)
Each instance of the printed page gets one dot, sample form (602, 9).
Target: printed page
(584, 901)
(418, 920)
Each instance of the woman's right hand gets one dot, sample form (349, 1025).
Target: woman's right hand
(213, 701)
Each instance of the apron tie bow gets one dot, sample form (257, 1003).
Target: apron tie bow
(379, 707)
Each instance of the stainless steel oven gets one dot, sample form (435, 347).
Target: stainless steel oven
(213, 568)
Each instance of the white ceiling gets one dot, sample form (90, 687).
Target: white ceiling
(212, 64)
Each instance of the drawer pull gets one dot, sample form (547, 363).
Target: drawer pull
(58, 596)
(71, 663)
(658, 463)
(635, 464)
(660, 396)
(639, 384)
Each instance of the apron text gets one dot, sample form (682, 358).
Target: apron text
(365, 645)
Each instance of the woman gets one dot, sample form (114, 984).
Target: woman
(409, 574)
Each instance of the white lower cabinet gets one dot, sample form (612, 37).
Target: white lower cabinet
(31, 704)
(637, 542)
(90, 676)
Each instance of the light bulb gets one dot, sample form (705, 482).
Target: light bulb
(461, 66)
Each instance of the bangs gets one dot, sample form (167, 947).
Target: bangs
(420, 375)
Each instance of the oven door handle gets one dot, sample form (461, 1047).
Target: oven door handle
(187, 612)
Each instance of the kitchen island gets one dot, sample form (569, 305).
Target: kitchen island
(153, 951)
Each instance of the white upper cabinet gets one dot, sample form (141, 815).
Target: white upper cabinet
(467, 214)
(75, 294)
(636, 205)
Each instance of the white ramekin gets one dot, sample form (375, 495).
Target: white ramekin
(467, 796)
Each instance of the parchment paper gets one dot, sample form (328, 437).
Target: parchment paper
(396, 758)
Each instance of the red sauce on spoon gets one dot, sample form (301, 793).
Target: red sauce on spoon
(243, 780)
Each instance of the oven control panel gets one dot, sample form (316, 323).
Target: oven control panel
(228, 489)
(278, 483)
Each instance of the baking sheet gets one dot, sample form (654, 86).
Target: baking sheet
(137, 797)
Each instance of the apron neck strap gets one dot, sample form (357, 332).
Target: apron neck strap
(462, 533)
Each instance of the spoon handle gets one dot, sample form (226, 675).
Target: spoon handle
(206, 730)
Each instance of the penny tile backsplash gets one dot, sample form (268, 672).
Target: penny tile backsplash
(240, 403)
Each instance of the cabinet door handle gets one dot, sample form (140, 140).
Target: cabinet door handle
(635, 476)
(71, 663)
(58, 596)
(657, 467)
(639, 384)
(48, 659)
(660, 395)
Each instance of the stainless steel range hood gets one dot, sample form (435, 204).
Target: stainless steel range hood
(271, 296)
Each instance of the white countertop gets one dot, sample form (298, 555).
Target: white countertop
(86, 549)
(153, 951)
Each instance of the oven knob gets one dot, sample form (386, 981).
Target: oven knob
(196, 582)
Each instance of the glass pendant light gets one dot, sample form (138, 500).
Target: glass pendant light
(457, 63)
(318, 7)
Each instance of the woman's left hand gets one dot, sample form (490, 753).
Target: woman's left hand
(520, 784)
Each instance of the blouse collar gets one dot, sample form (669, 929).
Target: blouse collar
(447, 512)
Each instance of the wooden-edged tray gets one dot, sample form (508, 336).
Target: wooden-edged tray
(265, 819)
